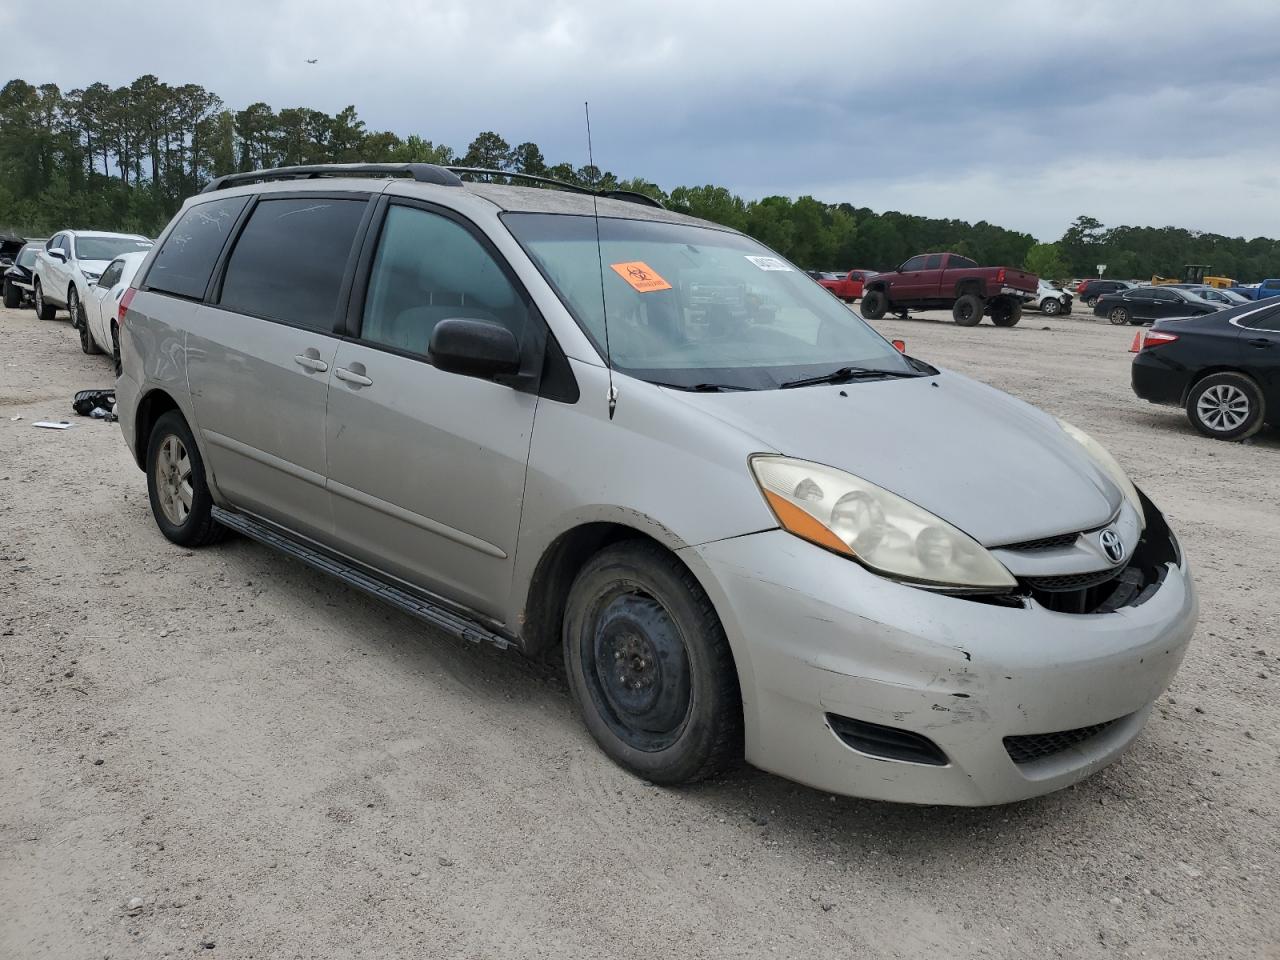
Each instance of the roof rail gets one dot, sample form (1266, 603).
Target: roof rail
(421, 172)
(630, 196)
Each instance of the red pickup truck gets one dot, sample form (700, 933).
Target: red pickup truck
(939, 280)
(846, 286)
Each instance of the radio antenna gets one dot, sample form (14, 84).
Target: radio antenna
(595, 216)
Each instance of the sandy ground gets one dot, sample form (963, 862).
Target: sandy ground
(222, 751)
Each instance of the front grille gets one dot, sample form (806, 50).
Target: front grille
(1044, 543)
(1072, 581)
(887, 743)
(1036, 746)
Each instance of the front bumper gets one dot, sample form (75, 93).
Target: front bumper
(816, 635)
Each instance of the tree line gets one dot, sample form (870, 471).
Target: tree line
(124, 158)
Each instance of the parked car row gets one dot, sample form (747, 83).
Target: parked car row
(1139, 305)
(82, 271)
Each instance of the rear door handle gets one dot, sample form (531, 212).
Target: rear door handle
(1260, 342)
(352, 377)
(314, 364)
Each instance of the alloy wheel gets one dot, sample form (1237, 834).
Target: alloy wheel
(173, 480)
(1223, 408)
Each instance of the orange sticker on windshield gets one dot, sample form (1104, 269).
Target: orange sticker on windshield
(641, 276)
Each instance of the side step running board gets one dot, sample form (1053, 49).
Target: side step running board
(415, 605)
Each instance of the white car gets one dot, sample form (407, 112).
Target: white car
(69, 262)
(1049, 299)
(102, 305)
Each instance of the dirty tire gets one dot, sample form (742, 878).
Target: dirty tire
(75, 311)
(115, 349)
(1226, 406)
(1050, 307)
(874, 305)
(967, 310)
(650, 666)
(1119, 316)
(1005, 313)
(194, 526)
(12, 295)
(45, 311)
(87, 343)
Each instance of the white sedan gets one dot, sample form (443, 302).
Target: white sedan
(102, 305)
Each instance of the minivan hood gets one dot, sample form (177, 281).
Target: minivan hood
(997, 468)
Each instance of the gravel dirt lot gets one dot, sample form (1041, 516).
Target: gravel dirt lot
(223, 751)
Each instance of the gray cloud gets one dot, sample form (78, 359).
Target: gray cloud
(1021, 113)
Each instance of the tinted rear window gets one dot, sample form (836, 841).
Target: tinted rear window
(185, 261)
(290, 258)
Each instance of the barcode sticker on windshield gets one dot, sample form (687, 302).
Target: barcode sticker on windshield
(641, 276)
(768, 263)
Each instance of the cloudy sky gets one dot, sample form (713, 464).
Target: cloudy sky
(1022, 113)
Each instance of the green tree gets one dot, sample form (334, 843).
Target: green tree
(1045, 260)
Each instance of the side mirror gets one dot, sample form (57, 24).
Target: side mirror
(474, 348)
(58, 255)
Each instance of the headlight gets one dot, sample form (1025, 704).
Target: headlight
(91, 276)
(1108, 465)
(880, 530)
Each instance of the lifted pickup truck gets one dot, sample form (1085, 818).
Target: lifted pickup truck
(934, 280)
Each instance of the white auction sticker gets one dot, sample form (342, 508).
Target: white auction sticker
(769, 263)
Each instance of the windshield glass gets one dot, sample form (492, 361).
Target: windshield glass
(691, 306)
(108, 248)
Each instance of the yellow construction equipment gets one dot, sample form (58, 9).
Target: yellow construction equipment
(1195, 273)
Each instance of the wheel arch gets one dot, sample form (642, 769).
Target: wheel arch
(1194, 380)
(151, 407)
(974, 285)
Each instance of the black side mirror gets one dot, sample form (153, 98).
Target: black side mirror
(474, 348)
(58, 255)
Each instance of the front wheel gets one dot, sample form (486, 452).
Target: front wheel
(180, 498)
(967, 310)
(12, 295)
(1118, 316)
(874, 305)
(1226, 406)
(87, 343)
(44, 309)
(1050, 306)
(650, 666)
(73, 308)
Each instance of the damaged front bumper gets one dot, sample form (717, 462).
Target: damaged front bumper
(842, 671)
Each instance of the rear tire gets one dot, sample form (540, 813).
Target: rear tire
(874, 305)
(115, 349)
(967, 310)
(1226, 406)
(1006, 313)
(1091, 302)
(44, 310)
(650, 666)
(180, 498)
(12, 295)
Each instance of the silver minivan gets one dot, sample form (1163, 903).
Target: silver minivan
(581, 425)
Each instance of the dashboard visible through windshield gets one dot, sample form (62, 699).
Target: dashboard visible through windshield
(696, 307)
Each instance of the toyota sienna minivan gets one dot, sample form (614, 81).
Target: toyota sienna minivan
(584, 426)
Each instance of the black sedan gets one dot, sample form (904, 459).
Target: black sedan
(1145, 304)
(1224, 369)
(15, 280)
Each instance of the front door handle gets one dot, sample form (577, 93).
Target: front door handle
(1261, 343)
(311, 361)
(353, 377)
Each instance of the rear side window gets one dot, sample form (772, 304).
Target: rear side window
(934, 262)
(290, 259)
(185, 261)
(429, 268)
(960, 263)
(1267, 321)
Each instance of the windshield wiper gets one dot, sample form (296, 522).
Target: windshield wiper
(843, 374)
(702, 387)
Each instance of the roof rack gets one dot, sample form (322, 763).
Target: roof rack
(421, 172)
(629, 196)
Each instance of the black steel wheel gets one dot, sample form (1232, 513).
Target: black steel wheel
(650, 666)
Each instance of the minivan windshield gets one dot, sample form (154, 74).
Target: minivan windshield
(108, 248)
(699, 308)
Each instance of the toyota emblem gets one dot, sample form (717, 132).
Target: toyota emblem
(1112, 546)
